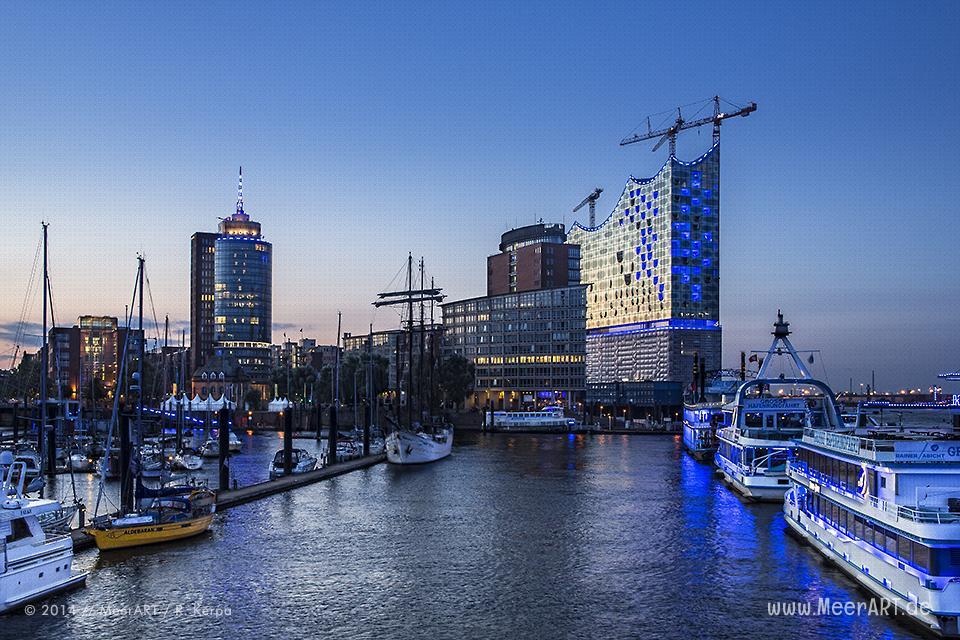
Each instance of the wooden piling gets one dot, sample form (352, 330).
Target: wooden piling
(223, 437)
(287, 441)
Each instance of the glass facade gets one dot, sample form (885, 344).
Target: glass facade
(243, 311)
(528, 348)
(653, 274)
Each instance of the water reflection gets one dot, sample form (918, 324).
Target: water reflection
(539, 536)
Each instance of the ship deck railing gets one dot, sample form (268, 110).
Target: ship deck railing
(904, 512)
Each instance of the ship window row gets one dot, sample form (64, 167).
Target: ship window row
(845, 475)
(935, 561)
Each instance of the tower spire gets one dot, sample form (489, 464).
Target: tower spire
(240, 193)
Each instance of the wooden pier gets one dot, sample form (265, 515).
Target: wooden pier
(236, 497)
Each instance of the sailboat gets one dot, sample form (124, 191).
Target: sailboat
(415, 443)
(156, 515)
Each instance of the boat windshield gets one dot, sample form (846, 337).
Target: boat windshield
(780, 410)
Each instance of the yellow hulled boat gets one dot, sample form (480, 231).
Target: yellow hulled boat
(175, 513)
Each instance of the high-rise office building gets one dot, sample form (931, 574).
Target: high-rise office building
(243, 282)
(202, 265)
(652, 271)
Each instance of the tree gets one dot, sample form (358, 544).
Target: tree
(252, 400)
(456, 379)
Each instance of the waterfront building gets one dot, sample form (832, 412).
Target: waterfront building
(243, 311)
(652, 271)
(526, 336)
(321, 355)
(294, 354)
(532, 258)
(202, 266)
(92, 349)
(527, 348)
(224, 376)
(387, 344)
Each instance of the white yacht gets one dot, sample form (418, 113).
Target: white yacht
(211, 448)
(417, 447)
(302, 461)
(768, 413)
(885, 508)
(33, 563)
(546, 418)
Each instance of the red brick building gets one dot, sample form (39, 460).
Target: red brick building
(532, 258)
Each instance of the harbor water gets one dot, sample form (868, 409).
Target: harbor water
(551, 536)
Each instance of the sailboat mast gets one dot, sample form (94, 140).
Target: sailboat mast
(420, 363)
(433, 356)
(140, 355)
(44, 366)
(410, 342)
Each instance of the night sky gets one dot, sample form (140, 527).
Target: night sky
(366, 132)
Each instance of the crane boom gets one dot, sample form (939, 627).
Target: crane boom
(592, 201)
(670, 133)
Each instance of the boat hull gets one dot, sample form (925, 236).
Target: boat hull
(404, 447)
(136, 536)
(853, 560)
(760, 488)
(36, 578)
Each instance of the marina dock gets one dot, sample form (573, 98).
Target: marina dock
(242, 495)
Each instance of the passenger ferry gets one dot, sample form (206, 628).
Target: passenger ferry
(768, 414)
(885, 508)
(701, 420)
(546, 418)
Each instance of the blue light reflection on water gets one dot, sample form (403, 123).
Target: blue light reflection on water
(540, 536)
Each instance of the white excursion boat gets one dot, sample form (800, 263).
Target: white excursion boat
(768, 413)
(885, 508)
(702, 419)
(417, 447)
(33, 563)
(546, 418)
(302, 461)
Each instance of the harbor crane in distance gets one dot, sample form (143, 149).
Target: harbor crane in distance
(670, 133)
(592, 201)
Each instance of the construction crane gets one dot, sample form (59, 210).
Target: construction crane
(680, 124)
(592, 201)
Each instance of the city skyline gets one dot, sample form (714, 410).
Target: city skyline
(823, 217)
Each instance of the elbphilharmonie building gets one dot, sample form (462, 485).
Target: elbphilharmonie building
(652, 271)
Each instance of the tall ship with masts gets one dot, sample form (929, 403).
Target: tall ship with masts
(424, 439)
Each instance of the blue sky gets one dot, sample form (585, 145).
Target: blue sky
(371, 131)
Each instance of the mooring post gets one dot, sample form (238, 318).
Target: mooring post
(318, 419)
(287, 441)
(126, 478)
(179, 426)
(367, 421)
(332, 436)
(53, 418)
(223, 435)
(16, 423)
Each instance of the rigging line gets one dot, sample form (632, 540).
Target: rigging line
(156, 324)
(116, 404)
(823, 365)
(24, 308)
